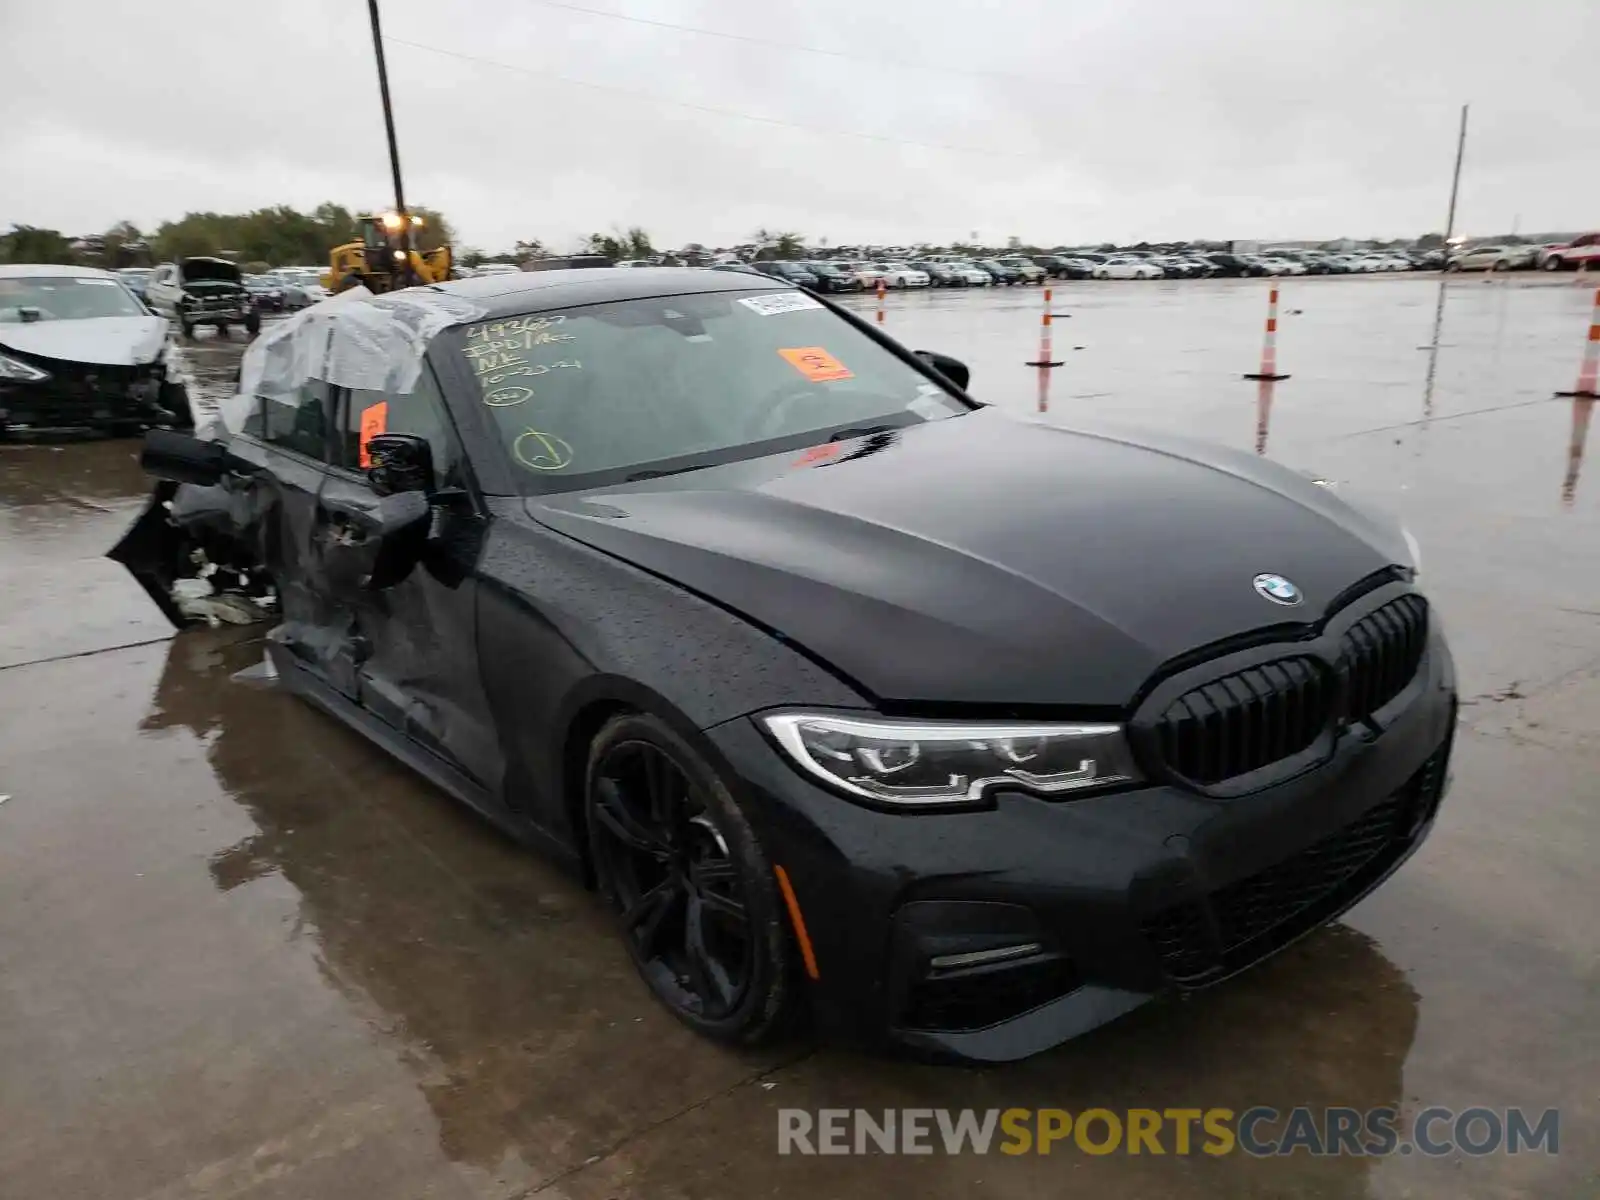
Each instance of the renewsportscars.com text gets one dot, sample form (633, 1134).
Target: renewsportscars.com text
(1259, 1131)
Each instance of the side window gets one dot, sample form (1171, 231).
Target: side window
(420, 411)
(298, 421)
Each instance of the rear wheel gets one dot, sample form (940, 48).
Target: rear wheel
(679, 864)
(252, 324)
(1552, 263)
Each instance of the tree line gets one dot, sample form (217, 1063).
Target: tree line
(275, 236)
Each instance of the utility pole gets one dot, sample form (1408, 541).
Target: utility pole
(1455, 180)
(388, 112)
(1449, 228)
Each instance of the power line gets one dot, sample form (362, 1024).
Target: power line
(752, 40)
(705, 108)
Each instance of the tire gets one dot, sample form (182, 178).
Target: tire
(1502, 265)
(640, 849)
(186, 326)
(175, 399)
(1553, 263)
(1455, 266)
(252, 324)
(222, 329)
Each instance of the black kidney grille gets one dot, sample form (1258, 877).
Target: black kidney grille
(1264, 714)
(1246, 720)
(1380, 653)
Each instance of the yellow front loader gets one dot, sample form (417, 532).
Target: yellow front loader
(384, 259)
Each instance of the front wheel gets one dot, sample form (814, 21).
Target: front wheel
(695, 897)
(1551, 264)
(174, 398)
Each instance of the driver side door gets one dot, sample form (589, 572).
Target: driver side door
(418, 637)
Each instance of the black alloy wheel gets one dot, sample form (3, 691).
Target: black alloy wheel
(679, 864)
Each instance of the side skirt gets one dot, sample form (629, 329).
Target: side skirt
(420, 759)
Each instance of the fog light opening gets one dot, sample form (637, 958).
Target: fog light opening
(978, 958)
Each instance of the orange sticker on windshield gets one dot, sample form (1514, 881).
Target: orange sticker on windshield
(374, 420)
(816, 364)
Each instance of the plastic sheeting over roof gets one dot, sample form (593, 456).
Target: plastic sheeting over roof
(353, 340)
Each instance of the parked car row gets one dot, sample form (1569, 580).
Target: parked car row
(950, 271)
(847, 276)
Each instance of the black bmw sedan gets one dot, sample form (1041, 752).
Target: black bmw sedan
(850, 695)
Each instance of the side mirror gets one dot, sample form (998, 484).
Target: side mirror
(952, 369)
(184, 458)
(399, 462)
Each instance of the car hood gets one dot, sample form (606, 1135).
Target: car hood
(109, 341)
(200, 269)
(985, 560)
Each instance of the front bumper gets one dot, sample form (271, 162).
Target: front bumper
(88, 396)
(1126, 895)
(201, 310)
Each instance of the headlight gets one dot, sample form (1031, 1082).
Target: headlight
(915, 764)
(15, 369)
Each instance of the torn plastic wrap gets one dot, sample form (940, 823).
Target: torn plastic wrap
(353, 340)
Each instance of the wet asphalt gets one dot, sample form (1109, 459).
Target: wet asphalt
(243, 954)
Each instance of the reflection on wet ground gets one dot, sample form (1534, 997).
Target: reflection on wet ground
(244, 954)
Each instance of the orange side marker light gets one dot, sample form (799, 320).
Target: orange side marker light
(807, 954)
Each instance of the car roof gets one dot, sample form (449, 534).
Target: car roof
(40, 270)
(526, 291)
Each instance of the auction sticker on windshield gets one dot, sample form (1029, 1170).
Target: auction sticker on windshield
(778, 302)
(816, 364)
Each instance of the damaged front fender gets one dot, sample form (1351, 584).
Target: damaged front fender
(196, 551)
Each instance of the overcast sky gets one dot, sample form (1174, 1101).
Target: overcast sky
(1056, 120)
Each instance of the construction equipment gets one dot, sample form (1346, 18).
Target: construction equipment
(385, 259)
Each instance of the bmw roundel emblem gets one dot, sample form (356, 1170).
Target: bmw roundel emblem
(1278, 589)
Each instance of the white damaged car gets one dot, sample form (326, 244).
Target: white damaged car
(78, 350)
